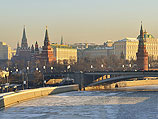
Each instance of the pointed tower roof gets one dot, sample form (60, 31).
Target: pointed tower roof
(24, 40)
(36, 46)
(46, 39)
(62, 43)
(32, 49)
(141, 31)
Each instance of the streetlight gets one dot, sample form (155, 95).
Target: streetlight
(91, 66)
(7, 69)
(36, 68)
(27, 68)
(51, 68)
(68, 67)
(27, 76)
(16, 70)
(44, 67)
(7, 78)
(102, 65)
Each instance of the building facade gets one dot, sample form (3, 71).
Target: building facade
(5, 51)
(129, 47)
(96, 52)
(64, 53)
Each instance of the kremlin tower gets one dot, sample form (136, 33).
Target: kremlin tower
(142, 54)
(23, 52)
(47, 52)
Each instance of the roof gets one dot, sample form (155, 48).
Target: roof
(128, 39)
(147, 35)
(61, 46)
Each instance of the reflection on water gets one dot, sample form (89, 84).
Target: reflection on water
(88, 105)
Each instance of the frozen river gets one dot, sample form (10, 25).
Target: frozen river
(88, 105)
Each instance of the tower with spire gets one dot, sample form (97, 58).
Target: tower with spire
(23, 53)
(36, 48)
(24, 44)
(47, 52)
(61, 43)
(142, 54)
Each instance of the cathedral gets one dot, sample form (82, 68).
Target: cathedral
(25, 54)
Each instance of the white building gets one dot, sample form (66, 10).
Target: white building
(129, 47)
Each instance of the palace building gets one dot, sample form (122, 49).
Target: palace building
(129, 47)
(64, 53)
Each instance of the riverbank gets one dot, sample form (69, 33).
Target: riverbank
(8, 99)
(138, 88)
(124, 84)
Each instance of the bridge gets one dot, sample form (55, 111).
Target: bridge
(85, 79)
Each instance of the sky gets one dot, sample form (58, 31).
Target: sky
(93, 21)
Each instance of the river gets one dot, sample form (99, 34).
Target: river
(88, 105)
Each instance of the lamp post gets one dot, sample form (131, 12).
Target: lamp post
(68, 67)
(91, 67)
(23, 82)
(102, 66)
(51, 68)
(17, 70)
(130, 65)
(123, 66)
(27, 77)
(7, 79)
(44, 68)
(36, 68)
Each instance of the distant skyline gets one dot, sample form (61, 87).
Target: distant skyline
(93, 21)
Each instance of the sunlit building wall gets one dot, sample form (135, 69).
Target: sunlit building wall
(64, 53)
(96, 52)
(129, 47)
(5, 51)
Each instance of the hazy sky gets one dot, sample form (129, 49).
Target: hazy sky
(77, 20)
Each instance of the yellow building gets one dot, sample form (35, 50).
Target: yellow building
(129, 47)
(64, 53)
(151, 46)
(5, 51)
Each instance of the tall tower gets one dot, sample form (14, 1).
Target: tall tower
(24, 44)
(142, 54)
(36, 48)
(47, 52)
(62, 43)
